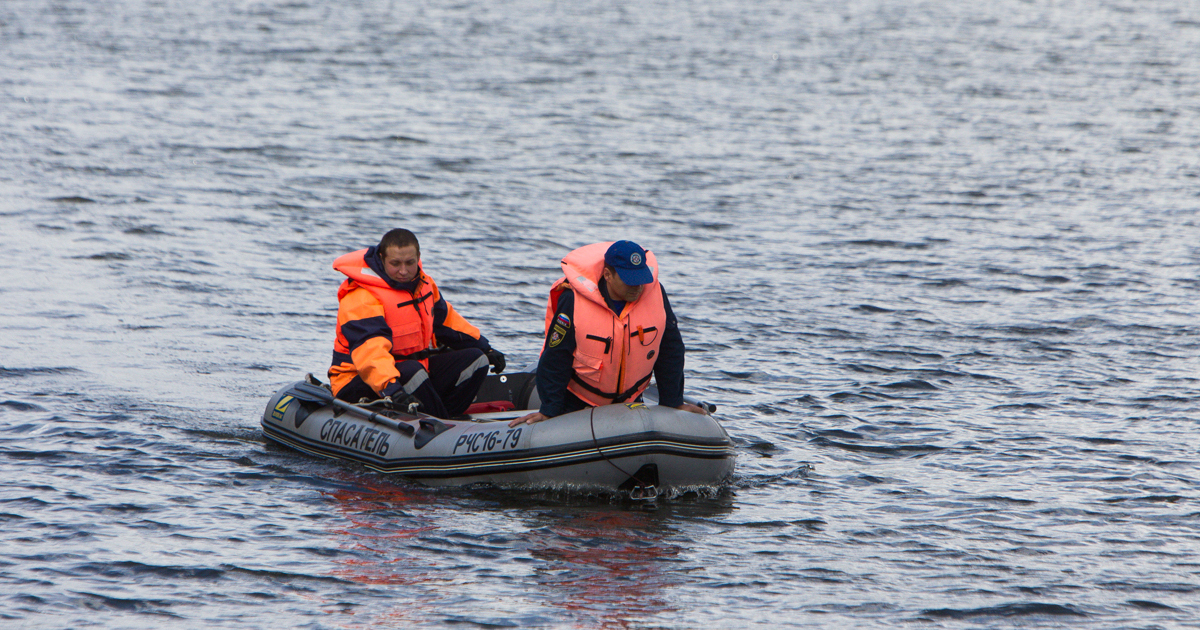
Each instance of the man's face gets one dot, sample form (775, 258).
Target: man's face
(619, 290)
(401, 263)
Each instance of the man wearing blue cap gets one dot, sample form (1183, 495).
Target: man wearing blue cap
(609, 328)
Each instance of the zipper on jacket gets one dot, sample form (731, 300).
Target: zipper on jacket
(624, 352)
(607, 342)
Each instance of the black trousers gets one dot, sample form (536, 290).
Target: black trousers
(446, 389)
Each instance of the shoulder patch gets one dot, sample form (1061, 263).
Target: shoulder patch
(563, 321)
(556, 336)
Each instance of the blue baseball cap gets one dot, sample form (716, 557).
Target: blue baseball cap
(629, 259)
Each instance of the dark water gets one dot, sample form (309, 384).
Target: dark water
(937, 262)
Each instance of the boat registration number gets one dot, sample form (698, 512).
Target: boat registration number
(487, 441)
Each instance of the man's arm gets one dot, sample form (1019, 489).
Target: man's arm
(556, 363)
(364, 329)
(668, 369)
(453, 330)
(558, 357)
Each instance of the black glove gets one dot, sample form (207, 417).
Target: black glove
(400, 401)
(496, 358)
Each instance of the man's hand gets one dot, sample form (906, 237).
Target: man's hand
(496, 358)
(529, 419)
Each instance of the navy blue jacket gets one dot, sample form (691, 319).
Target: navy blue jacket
(555, 367)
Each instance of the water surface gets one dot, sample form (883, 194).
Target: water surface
(935, 262)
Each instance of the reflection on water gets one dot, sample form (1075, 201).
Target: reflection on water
(609, 568)
(604, 562)
(381, 522)
(375, 526)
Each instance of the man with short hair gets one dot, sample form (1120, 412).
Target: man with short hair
(609, 328)
(398, 338)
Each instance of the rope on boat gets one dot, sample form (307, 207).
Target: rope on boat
(640, 491)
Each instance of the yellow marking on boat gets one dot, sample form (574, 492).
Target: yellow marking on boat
(281, 407)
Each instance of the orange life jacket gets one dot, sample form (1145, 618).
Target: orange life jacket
(408, 315)
(614, 353)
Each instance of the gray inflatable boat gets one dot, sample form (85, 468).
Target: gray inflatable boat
(636, 448)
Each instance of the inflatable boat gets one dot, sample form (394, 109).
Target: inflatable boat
(637, 448)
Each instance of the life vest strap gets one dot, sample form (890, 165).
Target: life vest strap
(421, 355)
(415, 301)
(615, 397)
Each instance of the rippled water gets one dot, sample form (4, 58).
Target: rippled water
(936, 262)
